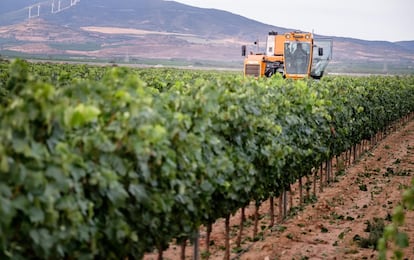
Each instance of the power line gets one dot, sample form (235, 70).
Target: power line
(30, 11)
(63, 6)
(55, 6)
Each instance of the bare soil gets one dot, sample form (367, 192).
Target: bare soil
(330, 228)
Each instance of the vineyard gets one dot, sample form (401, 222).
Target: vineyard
(114, 163)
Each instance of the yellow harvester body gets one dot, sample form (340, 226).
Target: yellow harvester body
(295, 55)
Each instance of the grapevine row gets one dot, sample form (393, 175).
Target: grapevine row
(100, 162)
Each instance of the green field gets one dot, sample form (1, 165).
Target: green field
(112, 162)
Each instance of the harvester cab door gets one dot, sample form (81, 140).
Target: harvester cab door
(322, 54)
(297, 59)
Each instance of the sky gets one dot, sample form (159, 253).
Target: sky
(389, 20)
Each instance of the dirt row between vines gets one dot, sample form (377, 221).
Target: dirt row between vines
(332, 227)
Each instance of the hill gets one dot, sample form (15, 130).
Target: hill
(134, 30)
(408, 45)
(152, 15)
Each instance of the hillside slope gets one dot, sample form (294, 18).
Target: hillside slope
(133, 30)
(153, 15)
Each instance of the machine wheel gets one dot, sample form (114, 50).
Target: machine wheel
(318, 77)
(269, 73)
(272, 72)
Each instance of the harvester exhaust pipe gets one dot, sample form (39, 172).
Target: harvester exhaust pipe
(243, 49)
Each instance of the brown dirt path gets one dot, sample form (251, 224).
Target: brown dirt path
(327, 229)
(370, 189)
